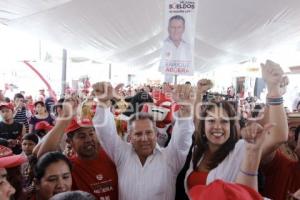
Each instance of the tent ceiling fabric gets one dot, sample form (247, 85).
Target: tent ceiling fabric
(16, 9)
(131, 31)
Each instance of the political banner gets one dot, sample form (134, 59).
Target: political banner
(178, 45)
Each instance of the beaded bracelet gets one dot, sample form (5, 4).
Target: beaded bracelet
(274, 101)
(248, 173)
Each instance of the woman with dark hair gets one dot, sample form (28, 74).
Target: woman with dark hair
(217, 153)
(228, 136)
(214, 141)
(41, 115)
(52, 175)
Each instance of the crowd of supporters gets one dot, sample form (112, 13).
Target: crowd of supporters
(160, 142)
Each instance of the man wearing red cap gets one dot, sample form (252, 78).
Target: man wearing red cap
(93, 170)
(11, 130)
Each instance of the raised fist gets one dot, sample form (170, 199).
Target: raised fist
(103, 91)
(272, 73)
(254, 134)
(204, 85)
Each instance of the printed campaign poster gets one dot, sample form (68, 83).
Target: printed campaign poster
(178, 44)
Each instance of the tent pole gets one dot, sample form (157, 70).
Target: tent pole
(40, 50)
(64, 72)
(129, 76)
(109, 71)
(175, 80)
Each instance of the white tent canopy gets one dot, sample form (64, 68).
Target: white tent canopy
(131, 31)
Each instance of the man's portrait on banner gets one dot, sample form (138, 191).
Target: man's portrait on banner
(175, 48)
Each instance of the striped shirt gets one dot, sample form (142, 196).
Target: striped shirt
(21, 117)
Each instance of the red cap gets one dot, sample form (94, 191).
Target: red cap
(8, 159)
(43, 125)
(6, 105)
(76, 124)
(219, 190)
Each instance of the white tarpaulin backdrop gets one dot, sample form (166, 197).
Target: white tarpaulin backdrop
(131, 31)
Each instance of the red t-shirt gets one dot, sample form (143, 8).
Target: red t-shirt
(196, 178)
(98, 177)
(282, 175)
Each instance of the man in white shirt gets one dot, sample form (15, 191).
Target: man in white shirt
(180, 53)
(175, 48)
(176, 55)
(145, 171)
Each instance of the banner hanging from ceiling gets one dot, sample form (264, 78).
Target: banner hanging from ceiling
(178, 44)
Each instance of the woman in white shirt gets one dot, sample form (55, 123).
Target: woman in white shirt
(217, 152)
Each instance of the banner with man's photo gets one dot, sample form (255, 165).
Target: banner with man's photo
(178, 45)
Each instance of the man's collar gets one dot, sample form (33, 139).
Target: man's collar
(157, 149)
(169, 40)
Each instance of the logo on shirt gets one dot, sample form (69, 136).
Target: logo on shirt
(99, 177)
(102, 187)
(15, 133)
